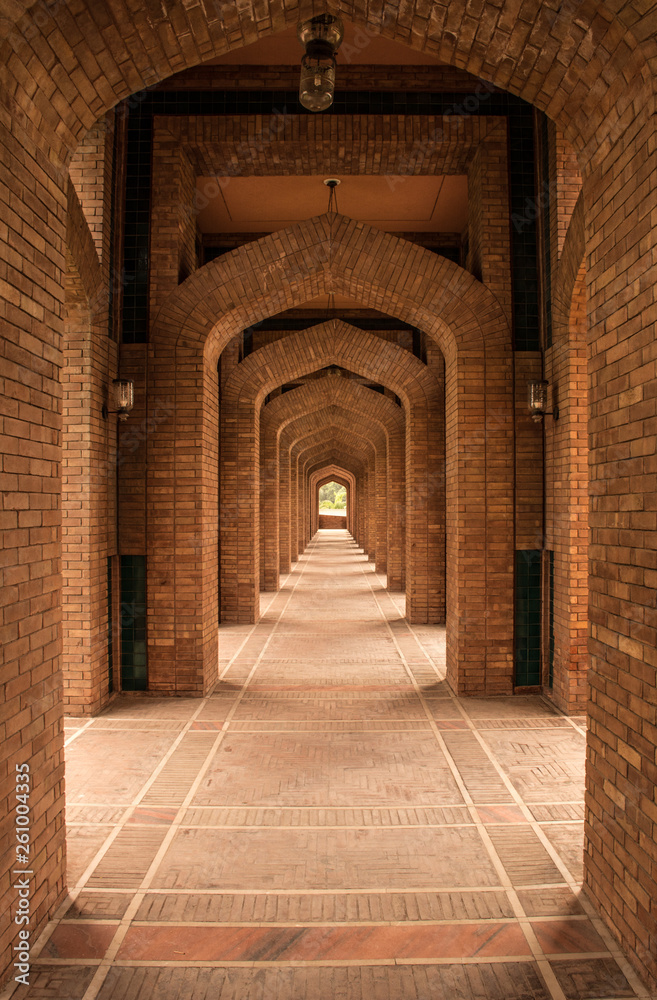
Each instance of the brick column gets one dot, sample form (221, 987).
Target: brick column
(621, 824)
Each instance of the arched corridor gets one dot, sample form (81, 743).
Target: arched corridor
(330, 821)
(165, 239)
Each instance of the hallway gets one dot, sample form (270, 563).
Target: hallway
(329, 824)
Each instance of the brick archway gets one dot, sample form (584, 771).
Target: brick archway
(562, 77)
(369, 409)
(321, 473)
(312, 445)
(362, 453)
(471, 329)
(330, 343)
(319, 478)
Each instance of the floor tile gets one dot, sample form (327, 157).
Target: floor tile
(334, 819)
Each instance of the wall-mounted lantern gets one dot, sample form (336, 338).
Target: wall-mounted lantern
(122, 398)
(537, 398)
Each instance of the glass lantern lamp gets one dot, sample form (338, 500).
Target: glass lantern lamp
(122, 398)
(537, 399)
(321, 36)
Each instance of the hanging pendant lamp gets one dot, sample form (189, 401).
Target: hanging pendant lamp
(321, 36)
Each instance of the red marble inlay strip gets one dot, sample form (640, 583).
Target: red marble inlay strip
(155, 815)
(253, 944)
(80, 940)
(501, 814)
(351, 688)
(558, 937)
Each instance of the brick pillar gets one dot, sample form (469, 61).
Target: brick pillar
(32, 252)
(381, 481)
(621, 823)
(425, 529)
(240, 509)
(269, 512)
(88, 465)
(173, 223)
(284, 508)
(294, 506)
(396, 521)
(183, 510)
(480, 546)
(567, 527)
(88, 504)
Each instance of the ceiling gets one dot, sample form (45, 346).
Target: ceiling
(397, 204)
(427, 204)
(360, 47)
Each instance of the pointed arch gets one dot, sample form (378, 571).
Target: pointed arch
(369, 409)
(332, 252)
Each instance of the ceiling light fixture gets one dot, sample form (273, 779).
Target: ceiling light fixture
(332, 183)
(321, 36)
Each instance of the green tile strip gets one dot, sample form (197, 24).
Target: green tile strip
(551, 624)
(528, 617)
(134, 668)
(110, 628)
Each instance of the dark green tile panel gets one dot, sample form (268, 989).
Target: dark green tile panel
(528, 617)
(110, 628)
(134, 667)
(551, 624)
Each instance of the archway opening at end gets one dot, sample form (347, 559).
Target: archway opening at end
(332, 499)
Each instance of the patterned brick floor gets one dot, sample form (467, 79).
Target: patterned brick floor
(329, 824)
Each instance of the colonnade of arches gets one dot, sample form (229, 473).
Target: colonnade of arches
(591, 67)
(332, 414)
(461, 435)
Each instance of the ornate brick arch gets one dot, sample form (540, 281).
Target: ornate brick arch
(570, 46)
(339, 470)
(292, 542)
(331, 252)
(286, 411)
(314, 438)
(313, 451)
(332, 474)
(586, 64)
(445, 301)
(385, 478)
(328, 253)
(298, 354)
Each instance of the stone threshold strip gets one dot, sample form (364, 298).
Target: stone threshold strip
(540, 952)
(512, 938)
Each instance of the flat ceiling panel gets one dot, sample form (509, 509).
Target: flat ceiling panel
(254, 204)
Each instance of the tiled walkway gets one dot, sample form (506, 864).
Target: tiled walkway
(330, 824)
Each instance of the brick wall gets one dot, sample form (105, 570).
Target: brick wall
(88, 471)
(332, 521)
